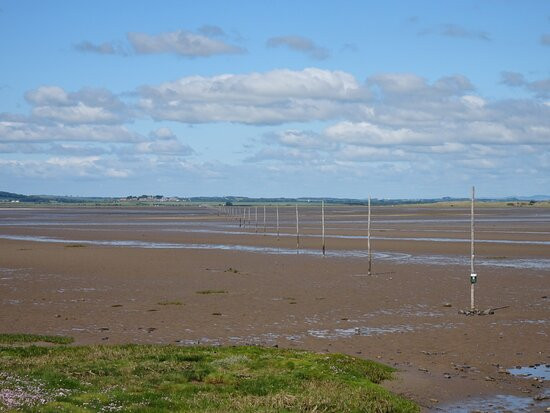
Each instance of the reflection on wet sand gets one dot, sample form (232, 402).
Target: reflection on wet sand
(396, 257)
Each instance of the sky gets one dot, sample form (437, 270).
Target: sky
(392, 99)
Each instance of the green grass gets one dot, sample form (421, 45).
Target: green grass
(33, 338)
(153, 378)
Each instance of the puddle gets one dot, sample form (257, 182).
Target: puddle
(499, 403)
(541, 371)
(359, 331)
(337, 333)
(397, 257)
(271, 338)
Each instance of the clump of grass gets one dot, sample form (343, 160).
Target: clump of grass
(75, 246)
(232, 270)
(211, 292)
(170, 303)
(214, 379)
(216, 313)
(33, 338)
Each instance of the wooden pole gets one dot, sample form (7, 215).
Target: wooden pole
(277, 222)
(297, 231)
(256, 212)
(368, 242)
(249, 222)
(264, 219)
(473, 275)
(323, 224)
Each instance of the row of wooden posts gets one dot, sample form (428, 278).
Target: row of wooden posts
(243, 214)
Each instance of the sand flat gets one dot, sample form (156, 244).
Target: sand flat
(118, 294)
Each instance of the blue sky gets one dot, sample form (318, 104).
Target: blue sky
(341, 99)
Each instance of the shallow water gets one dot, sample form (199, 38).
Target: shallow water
(424, 239)
(271, 338)
(359, 331)
(397, 257)
(178, 226)
(542, 371)
(498, 403)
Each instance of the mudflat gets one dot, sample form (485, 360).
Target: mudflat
(196, 275)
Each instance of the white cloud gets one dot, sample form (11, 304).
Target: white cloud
(300, 139)
(541, 87)
(473, 102)
(36, 132)
(85, 106)
(277, 96)
(91, 167)
(397, 85)
(480, 163)
(163, 142)
(454, 30)
(300, 44)
(369, 153)
(182, 43)
(396, 121)
(369, 134)
(106, 48)
(47, 95)
(211, 30)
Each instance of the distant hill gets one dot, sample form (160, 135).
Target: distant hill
(533, 198)
(13, 197)
(8, 197)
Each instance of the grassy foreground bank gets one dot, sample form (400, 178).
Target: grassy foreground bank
(154, 378)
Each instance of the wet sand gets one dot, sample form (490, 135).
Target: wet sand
(146, 293)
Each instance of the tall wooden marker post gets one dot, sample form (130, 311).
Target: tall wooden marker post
(473, 275)
(277, 222)
(368, 241)
(323, 224)
(264, 219)
(297, 232)
(256, 212)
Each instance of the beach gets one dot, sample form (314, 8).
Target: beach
(194, 275)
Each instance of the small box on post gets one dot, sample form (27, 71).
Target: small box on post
(473, 278)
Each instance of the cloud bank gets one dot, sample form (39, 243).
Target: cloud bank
(397, 123)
